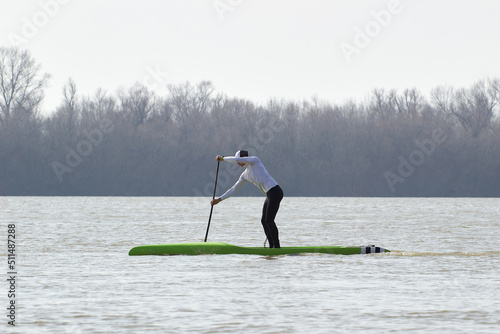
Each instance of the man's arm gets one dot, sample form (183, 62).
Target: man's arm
(241, 181)
(242, 160)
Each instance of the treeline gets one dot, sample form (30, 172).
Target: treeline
(135, 143)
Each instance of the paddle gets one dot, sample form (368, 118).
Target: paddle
(213, 197)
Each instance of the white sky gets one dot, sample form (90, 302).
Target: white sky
(257, 49)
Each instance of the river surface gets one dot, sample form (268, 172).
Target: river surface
(74, 275)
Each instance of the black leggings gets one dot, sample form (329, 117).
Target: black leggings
(269, 211)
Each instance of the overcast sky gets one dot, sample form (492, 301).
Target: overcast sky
(258, 49)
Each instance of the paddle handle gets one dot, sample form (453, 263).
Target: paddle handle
(213, 197)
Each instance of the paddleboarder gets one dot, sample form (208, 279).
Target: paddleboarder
(256, 173)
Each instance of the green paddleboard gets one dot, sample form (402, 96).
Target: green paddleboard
(200, 248)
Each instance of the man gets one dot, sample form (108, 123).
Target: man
(256, 173)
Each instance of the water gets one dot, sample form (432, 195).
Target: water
(75, 275)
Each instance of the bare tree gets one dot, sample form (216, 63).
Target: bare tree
(442, 97)
(140, 103)
(96, 108)
(190, 102)
(385, 104)
(21, 83)
(474, 107)
(71, 109)
(411, 102)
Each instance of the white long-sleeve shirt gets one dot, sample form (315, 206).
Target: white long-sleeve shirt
(255, 172)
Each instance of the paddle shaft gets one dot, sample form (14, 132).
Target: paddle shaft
(213, 197)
